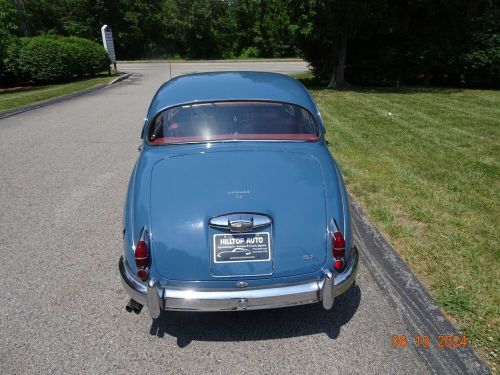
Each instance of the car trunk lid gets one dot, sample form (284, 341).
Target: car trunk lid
(188, 191)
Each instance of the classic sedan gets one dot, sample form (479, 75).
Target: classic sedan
(231, 161)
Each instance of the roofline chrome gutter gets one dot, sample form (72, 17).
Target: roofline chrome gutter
(158, 298)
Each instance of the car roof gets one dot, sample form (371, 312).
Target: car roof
(219, 86)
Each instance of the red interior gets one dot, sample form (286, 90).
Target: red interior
(223, 137)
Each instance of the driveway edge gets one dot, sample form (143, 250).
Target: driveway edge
(58, 99)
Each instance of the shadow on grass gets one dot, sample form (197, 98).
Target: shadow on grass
(258, 324)
(312, 83)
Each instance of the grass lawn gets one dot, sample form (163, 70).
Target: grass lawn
(9, 100)
(425, 165)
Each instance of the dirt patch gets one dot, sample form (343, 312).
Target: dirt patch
(15, 89)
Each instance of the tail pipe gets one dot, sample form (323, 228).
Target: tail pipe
(134, 306)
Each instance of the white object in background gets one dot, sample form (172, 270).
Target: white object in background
(107, 42)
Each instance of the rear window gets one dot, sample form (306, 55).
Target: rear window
(219, 121)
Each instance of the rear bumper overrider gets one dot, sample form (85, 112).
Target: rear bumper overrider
(157, 297)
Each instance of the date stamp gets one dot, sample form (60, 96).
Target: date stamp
(426, 342)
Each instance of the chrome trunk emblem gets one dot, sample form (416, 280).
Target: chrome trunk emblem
(241, 284)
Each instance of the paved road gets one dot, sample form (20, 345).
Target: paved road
(63, 174)
(178, 68)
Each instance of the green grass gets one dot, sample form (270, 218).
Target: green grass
(10, 100)
(425, 165)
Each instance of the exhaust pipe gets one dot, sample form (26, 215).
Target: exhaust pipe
(134, 306)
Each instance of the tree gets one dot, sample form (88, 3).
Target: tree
(481, 60)
(8, 30)
(386, 42)
(326, 28)
(265, 28)
(377, 42)
(21, 16)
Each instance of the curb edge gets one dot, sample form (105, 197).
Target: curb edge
(58, 99)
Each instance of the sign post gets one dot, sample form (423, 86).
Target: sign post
(107, 42)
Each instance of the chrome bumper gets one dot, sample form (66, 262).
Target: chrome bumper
(157, 298)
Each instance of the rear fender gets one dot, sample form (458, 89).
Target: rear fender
(136, 213)
(344, 221)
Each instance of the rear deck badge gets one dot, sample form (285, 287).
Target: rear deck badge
(241, 284)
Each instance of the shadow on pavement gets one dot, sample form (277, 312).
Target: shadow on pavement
(258, 324)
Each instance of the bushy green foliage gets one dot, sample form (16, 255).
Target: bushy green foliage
(439, 42)
(89, 57)
(193, 29)
(46, 59)
(51, 58)
(249, 52)
(481, 62)
(11, 60)
(452, 42)
(8, 28)
(264, 28)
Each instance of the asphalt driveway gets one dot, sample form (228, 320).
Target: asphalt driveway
(64, 169)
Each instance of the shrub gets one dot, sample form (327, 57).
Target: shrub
(90, 57)
(46, 59)
(11, 61)
(52, 58)
(249, 52)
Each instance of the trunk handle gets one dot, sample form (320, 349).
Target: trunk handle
(239, 223)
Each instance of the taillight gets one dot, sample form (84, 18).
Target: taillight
(143, 274)
(141, 254)
(142, 257)
(338, 248)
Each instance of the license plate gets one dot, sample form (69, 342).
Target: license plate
(242, 247)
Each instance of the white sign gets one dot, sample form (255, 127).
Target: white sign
(107, 42)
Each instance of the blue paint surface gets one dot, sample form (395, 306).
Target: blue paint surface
(174, 190)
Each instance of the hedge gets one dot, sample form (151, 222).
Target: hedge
(91, 58)
(51, 58)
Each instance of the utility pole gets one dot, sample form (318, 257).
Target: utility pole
(21, 12)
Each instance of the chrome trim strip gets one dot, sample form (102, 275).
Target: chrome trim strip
(241, 299)
(240, 222)
(252, 293)
(157, 298)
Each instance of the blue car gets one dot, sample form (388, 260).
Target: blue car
(235, 202)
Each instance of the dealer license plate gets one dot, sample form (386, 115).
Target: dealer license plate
(242, 247)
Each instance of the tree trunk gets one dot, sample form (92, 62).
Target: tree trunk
(21, 12)
(337, 78)
(332, 77)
